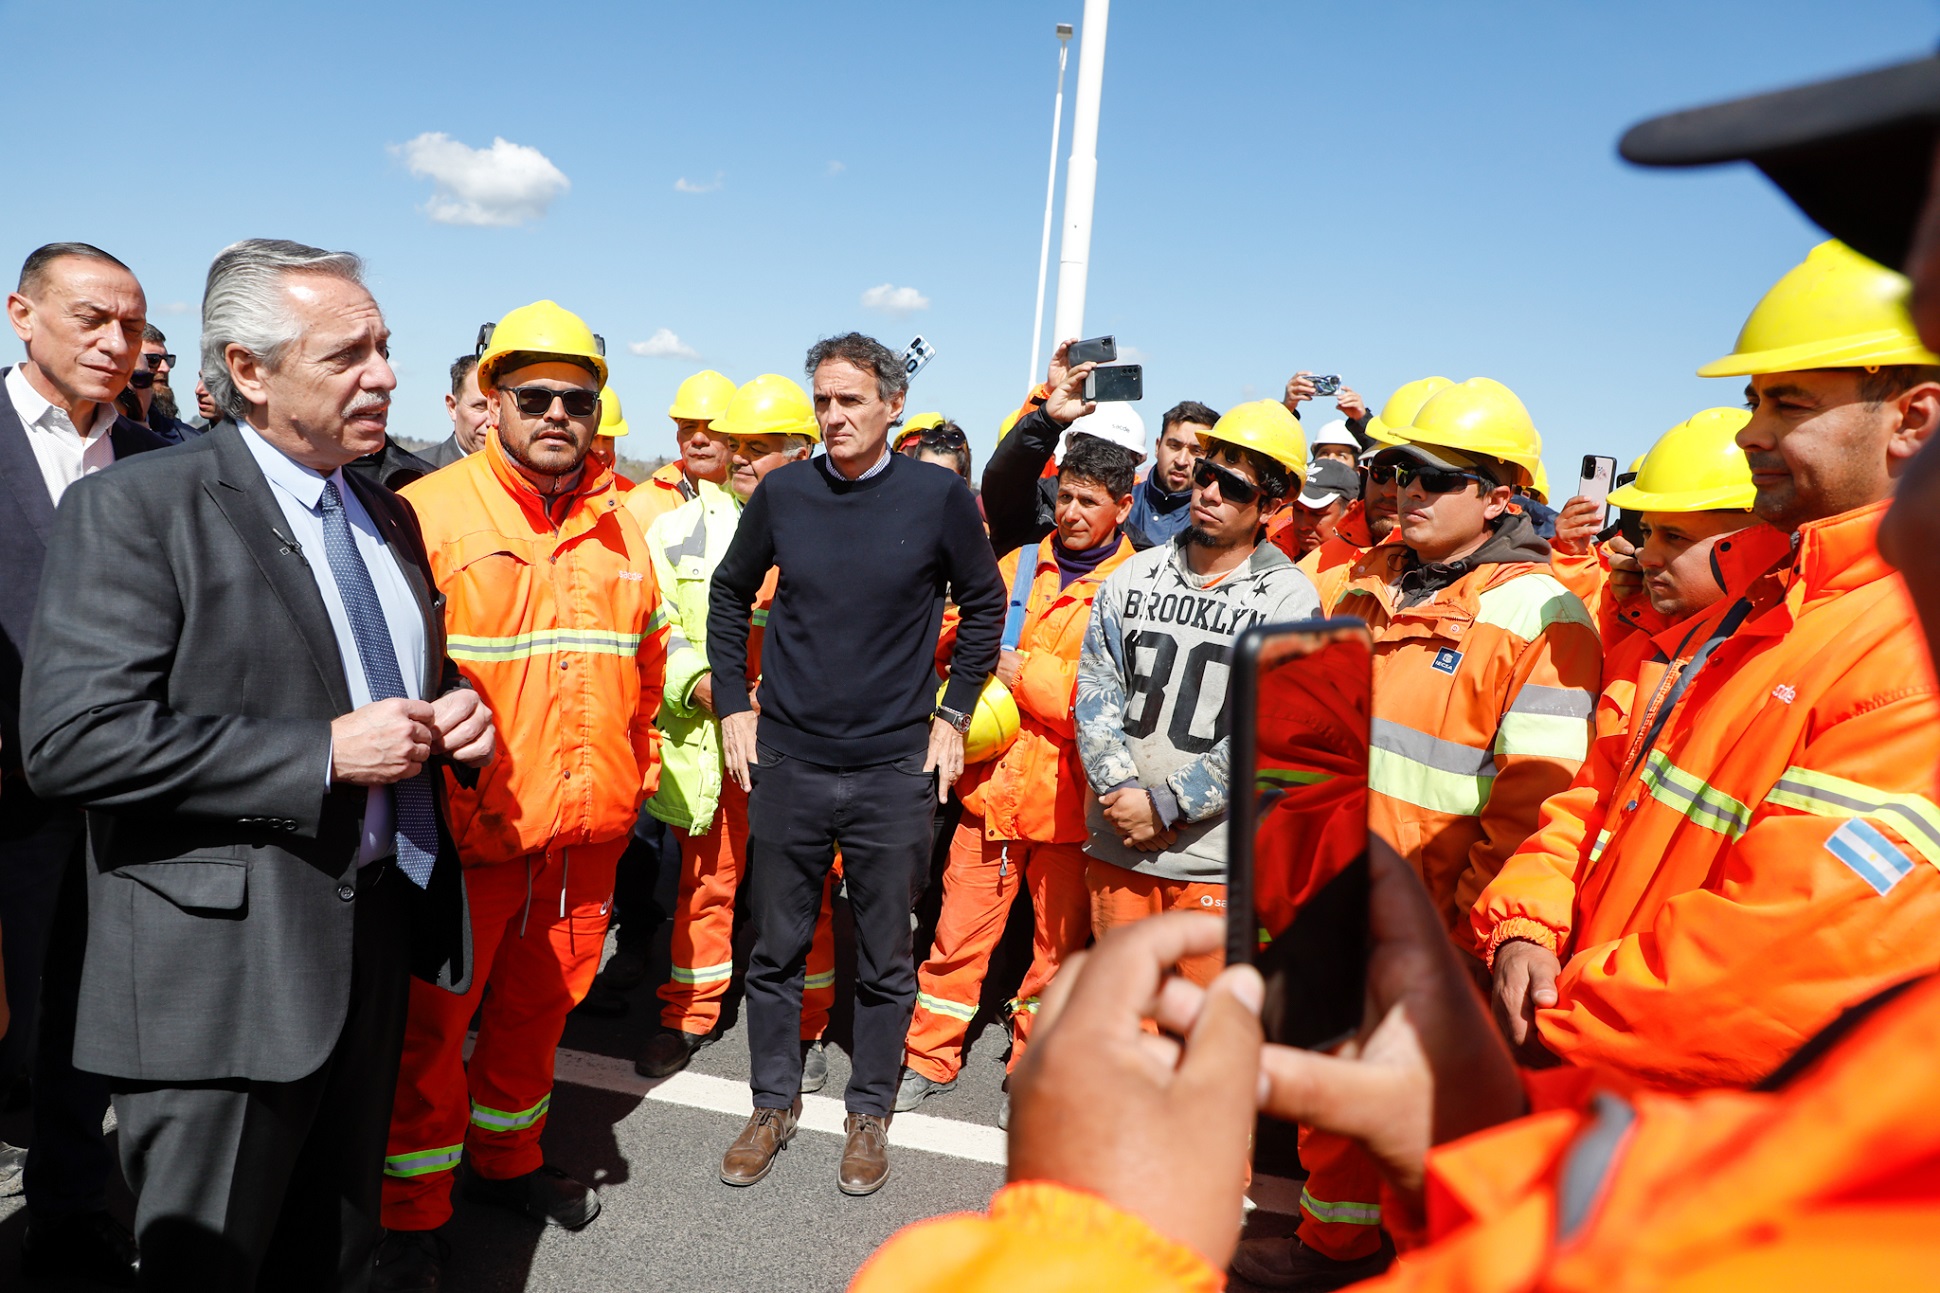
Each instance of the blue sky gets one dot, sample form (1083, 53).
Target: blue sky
(1380, 189)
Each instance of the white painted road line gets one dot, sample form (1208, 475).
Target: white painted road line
(947, 1136)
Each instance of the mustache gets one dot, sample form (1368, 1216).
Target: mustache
(1765, 461)
(368, 402)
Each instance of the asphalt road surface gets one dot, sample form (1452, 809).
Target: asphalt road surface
(654, 1150)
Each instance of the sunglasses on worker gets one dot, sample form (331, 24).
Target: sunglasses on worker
(157, 362)
(536, 401)
(1433, 480)
(1233, 487)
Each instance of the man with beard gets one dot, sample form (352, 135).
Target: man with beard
(555, 618)
(1162, 502)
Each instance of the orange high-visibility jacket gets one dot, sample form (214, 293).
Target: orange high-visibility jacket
(1483, 695)
(1036, 790)
(561, 632)
(658, 494)
(1831, 1182)
(1588, 576)
(1332, 563)
(1774, 854)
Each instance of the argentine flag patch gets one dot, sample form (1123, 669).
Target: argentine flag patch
(1872, 856)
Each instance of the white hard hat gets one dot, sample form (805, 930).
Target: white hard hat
(1115, 421)
(1336, 432)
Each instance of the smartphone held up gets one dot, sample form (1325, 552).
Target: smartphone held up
(1297, 868)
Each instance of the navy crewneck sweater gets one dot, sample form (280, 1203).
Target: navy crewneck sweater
(848, 656)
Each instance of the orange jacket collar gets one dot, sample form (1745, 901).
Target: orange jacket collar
(595, 478)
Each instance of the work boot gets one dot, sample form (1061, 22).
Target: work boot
(13, 1170)
(815, 1066)
(753, 1153)
(624, 971)
(1287, 1263)
(410, 1261)
(668, 1051)
(543, 1194)
(915, 1088)
(90, 1248)
(865, 1155)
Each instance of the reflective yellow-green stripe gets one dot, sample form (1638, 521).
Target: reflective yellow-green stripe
(1915, 818)
(943, 1006)
(1352, 1214)
(425, 1162)
(759, 619)
(522, 646)
(1530, 603)
(1270, 777)
(1427, 771)
(501, 1120)
(826, 979)
(703, 973)
(1602, 842)
(1704, 804)
(1024, 1006)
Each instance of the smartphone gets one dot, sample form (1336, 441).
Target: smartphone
(1597, 478)
(1325, 383)
(1115, 383)
(1094, 350)
(1297, 865)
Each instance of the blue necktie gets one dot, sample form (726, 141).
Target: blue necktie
(414, 805)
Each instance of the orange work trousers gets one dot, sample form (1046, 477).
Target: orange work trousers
(1340, 1206)
(538, 926)
(711, 868)
(1120, 896)
(979, 884)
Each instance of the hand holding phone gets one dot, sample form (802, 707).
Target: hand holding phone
(1116, 382)
(1093, 350)
(1597, 478)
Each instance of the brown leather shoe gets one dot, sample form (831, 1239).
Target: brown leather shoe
(865, 1155)
(752, 1155)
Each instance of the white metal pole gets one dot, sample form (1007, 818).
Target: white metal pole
(1081, 175)
(1050, 194)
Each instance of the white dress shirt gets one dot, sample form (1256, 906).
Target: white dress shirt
(299, 493)
(64, 452)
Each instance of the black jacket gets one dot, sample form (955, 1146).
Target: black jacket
(393, 466)
(180, 685)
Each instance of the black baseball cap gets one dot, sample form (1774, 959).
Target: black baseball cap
(1854, 152)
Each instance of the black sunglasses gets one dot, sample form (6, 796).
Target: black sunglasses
(1433, 480)
(1233, 487)
(155, 362)
(536, 401)
(943, 437)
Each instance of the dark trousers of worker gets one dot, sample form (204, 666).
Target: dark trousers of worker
(244, 1185)
(44, 932)
(881, 813)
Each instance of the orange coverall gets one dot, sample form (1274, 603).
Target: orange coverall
(559, 628)
(1723, 891)
(658, 494)
(1830, 1182)
(1023, 822)
(1332, 563)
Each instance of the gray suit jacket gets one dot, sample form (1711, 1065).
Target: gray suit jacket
(26, 521)
(444, 453)
(180, 685)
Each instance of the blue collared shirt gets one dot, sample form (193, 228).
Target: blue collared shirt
(299, 494)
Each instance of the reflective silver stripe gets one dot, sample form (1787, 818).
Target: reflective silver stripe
(502, 1120)
(1914, 817)
(1431, 751)
(424, 1163)
(1563, 702)
(1351, 1214)
(703, 973)
(944, 1006)
(824, 980)
(1589, 1162)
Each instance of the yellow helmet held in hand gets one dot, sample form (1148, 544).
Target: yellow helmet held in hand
(1266, 427)
(1401, 407)
(993, 725)
(542, 328)
(612, 420)
(1696, 466)
(768, 405)
(1479, 416)
(702, 397)
(1836, 309)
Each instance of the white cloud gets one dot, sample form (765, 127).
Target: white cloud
(894, 300)
(1130, 355)
(835, 168)
(685, 185)
(174, 307)
(506, 184)
(664, 344)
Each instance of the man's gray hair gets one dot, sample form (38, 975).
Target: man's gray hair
(865, 353)
(243, 305)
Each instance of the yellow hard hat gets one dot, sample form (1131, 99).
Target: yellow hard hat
(1696, 466)
(1836, 309)
(612, 421)
(542, 328)
(993, 725)
(916, 426)
(1264, 426)
(1539, 487)
(1479, 416)
(1010, 420)
(768, 405)
(702, 397)
(1401, 407)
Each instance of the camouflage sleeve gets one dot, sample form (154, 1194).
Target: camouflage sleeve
(1200, 786)
(1100, 704)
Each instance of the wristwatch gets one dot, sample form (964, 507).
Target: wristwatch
(961, 722)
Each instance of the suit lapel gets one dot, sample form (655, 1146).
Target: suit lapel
(384, 508)
(20, 471)
(243, 493)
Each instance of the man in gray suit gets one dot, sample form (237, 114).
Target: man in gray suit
(470, 414)
(267, 858)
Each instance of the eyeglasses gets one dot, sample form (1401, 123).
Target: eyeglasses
(157, 362)
(536, 401)
(1433, 480)
(943, 437)
(1233, 487)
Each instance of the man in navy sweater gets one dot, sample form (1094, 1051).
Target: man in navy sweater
(850, 743)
